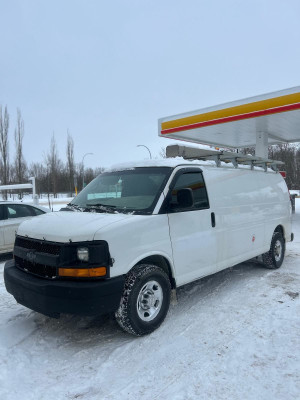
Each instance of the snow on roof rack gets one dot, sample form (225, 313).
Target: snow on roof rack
(192, 153)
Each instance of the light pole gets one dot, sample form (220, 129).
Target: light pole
(86, 154)
(142, 145)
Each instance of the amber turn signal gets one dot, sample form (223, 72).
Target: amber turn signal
(82, 272)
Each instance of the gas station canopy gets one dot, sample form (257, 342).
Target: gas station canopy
(256, 121)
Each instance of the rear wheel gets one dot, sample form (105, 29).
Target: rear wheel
(274, 257)
(145, 301)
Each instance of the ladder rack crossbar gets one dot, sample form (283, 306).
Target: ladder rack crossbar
(192, 153)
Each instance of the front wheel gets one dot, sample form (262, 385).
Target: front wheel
(145, 301)
(273, 259)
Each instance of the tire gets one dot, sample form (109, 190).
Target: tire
(273, 259)
(145, 301)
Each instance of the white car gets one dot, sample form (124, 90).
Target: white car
(12, 213)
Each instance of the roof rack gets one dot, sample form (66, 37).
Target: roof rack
(192, 153)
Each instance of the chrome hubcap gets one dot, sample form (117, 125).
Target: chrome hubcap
(149, 301)
(277, 250)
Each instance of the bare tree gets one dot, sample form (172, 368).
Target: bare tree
(20, 165)
(98, 171)
(54, 165)
(162, 153)
(89, 175)
(247, 150)
(39, 171)
(4, 125)
(288, 154)
(70, 162)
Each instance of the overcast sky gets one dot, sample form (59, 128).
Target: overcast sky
(107, 70)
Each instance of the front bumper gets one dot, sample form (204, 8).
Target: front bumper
(53, 297)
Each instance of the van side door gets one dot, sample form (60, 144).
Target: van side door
(192, 231)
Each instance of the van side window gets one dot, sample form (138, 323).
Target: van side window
(194, 181)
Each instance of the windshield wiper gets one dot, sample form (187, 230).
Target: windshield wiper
(99, 207)
(74, 207)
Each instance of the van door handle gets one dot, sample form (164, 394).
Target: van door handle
(213, 219)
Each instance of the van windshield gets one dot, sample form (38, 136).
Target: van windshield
(130, 191)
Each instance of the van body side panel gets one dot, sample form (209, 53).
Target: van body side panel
(234, 195)
(275, 205)
(248, 207)
(135, 238)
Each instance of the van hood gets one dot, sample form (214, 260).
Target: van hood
(65, 226)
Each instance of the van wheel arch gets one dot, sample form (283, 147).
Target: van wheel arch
(280, 229)
(160, 262)
(273, 259)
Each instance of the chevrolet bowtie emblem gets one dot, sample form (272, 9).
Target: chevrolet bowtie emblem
(31, 256)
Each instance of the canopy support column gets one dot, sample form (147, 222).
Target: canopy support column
(261, 148)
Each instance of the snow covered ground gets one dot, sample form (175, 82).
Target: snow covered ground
(233, 335)
(55, 204)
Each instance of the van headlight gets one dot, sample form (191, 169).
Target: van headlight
(83, 254)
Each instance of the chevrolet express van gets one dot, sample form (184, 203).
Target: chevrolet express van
(137, 232)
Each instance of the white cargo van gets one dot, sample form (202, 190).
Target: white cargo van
(138, 231)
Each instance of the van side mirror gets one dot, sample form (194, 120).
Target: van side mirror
(185, 198)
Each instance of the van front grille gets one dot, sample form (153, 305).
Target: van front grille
(38, 245)
(45, 271)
